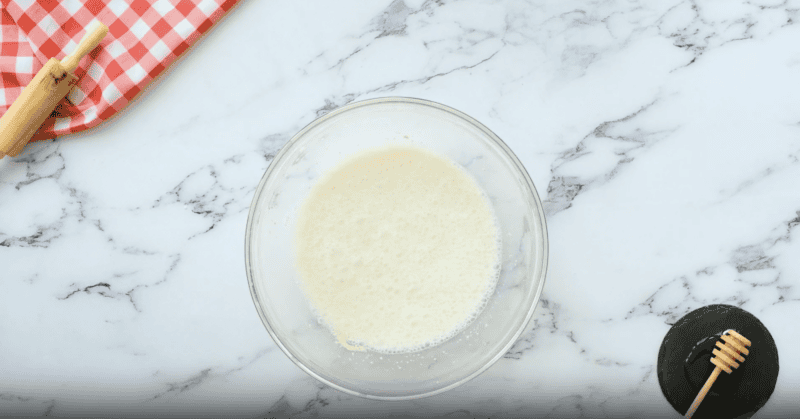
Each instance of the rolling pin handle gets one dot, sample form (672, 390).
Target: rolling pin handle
(94, 34)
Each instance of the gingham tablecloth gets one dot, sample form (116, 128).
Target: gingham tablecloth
(144, 38)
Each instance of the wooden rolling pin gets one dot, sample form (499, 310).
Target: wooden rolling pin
(38, 100)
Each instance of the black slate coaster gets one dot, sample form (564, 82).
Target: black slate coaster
(684, 364)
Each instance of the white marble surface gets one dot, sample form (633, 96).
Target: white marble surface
(663, 136)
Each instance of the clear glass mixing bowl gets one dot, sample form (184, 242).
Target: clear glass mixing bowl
(270, 262)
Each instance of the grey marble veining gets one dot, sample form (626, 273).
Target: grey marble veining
(663, 138)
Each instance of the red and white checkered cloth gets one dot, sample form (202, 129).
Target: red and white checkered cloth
(144, 38)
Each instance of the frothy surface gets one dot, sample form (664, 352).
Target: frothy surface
(397, 249)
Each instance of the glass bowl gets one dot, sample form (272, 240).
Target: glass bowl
(273, 278)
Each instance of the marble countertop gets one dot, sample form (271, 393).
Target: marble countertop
(663, 137)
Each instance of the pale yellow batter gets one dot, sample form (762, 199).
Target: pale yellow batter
(397, 249)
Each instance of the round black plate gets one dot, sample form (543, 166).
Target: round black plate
(684, 364)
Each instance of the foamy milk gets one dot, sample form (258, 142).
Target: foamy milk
(397, 249)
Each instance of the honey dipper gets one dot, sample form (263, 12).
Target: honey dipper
(41, 96)
(733, 348)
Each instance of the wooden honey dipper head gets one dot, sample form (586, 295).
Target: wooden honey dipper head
(727, 356)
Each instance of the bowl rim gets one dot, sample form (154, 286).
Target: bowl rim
(397, 99)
